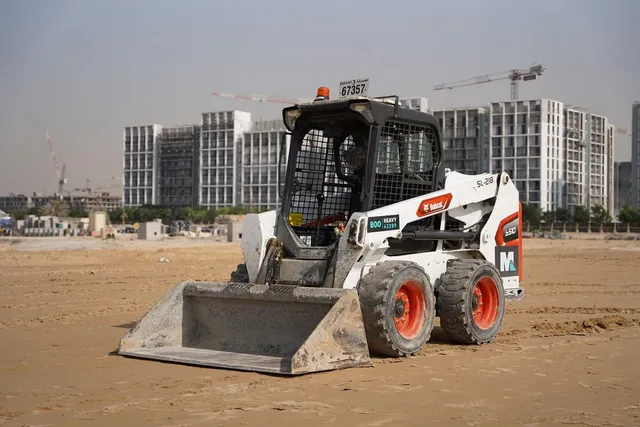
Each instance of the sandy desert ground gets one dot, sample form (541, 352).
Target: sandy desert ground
(569, 352)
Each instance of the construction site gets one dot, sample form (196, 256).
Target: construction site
(562, 358)
(396, 278)
(85, 199)
(385, 287)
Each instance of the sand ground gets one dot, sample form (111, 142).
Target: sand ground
(569, 353)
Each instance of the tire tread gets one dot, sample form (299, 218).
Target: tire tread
(452, 300)
(373, 291)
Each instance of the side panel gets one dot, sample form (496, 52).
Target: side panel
(464, 193)
(509, 237)
(501, 238)
(257, 229)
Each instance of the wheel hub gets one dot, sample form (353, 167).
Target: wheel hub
(409, 309)
(475, 302)
(484, 303)
(398, 308)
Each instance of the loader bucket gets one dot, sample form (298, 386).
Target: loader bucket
(274, 329)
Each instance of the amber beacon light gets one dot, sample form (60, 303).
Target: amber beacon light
(323, 93)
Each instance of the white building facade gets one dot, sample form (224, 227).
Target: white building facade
(596, 161)
(220, 157)
(140, 146)
(589, 142)
(465, 132)
(526, 142)
(558, 156)
(261, 150)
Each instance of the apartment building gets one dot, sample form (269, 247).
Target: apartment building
(596, 164)
(220, 157)
(465, 133)
(576, 131)
(635, 155)
(178, 156)
(522, 138)
(261, 149)
(526, 142)
(140, 166)
(589, 141)
(558, 156)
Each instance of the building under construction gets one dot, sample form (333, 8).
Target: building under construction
(100, 201)
(178, 166)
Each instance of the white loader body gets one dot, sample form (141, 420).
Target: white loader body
(373, 240)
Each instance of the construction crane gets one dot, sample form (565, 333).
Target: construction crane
(61, 173)
(514, 75)
(261, 98)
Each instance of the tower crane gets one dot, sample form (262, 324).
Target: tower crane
(514, 75)
(61, 173)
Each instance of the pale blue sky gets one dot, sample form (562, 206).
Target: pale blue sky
(85, 69)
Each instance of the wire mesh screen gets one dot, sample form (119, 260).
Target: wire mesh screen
(405, 167)
(317, 192)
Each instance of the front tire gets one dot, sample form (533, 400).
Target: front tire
(398, 308)
(471, 301)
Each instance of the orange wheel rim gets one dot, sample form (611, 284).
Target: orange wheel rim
(485, 303)
(409, 309)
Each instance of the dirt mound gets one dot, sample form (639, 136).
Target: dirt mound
(589, 326)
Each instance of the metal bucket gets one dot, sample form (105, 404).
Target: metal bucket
(261, 328)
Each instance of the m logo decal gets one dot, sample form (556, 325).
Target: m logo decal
(507, 260)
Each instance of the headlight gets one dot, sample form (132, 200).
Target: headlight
(290, 118)
(364, 109)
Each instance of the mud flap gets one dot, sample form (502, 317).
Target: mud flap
(275, 329)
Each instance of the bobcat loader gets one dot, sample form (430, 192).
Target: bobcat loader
(372, 241)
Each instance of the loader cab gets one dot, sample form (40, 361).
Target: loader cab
(351, 155)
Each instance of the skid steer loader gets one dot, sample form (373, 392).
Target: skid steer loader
(373, 239)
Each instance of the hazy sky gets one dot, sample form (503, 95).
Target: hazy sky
(85, 69)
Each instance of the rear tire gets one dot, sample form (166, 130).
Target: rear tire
(241, 275)
(398, 308)
(471, 301)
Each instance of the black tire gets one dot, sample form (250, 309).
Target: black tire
(241, 275)
(457, 299)
(377, 292)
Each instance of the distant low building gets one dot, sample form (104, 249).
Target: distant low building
(14, 203)
(95, 202)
